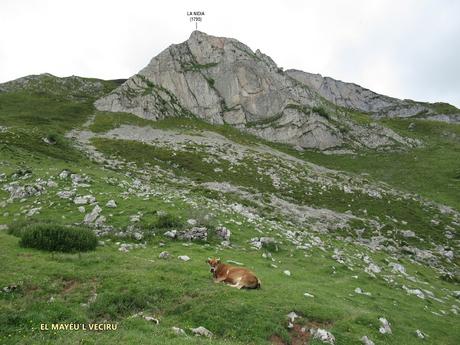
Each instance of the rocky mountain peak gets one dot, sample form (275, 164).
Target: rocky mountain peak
(222, 81)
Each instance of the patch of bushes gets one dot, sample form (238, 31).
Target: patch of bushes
(167, 221)
(17, 228)
(59, 238)
(271, 247)
(321, 111)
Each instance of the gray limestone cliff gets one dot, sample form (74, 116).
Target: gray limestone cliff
(222, 81)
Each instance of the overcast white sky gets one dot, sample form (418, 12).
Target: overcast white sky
(405, 48)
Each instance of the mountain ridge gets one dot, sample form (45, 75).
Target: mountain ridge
(222, 81)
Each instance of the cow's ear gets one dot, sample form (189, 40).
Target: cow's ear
(208, 261)
(218, 260)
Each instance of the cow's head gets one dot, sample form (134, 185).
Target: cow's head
(213, 262)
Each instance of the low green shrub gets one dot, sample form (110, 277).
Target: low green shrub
(168, 221)
(17, 228)
(55, 237)
(321, 111)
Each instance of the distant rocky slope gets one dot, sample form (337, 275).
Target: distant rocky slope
(71, 88)
(222, 81)
(355, 97)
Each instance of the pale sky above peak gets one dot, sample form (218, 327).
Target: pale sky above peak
(406, 48)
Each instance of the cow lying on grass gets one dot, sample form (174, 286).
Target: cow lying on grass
(238, 277)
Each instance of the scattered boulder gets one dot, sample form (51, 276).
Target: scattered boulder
(164, 255)
(135, 218)
(366, 341)
(192, 222)
(66, 194)
(19, 192)
(258, 242)
(193, 234)
(223, 233)
(171, 234)
(138, 236)
(76, 179)
(306, 294)
(397, 268)
(83, 200)
(152, 319)
(201, 331)
(51, 184)
(64, 174)
(111, 204)
(407, 234)
(415, 292)
(372, 269)
(10, 288)
(81, 209)
(420, 334)
(49, 140)
(126, 247)
(361, 292)
(384, 326)
(178, 331)
(33, 211)
(287, 272)
(322, 335)
(91, 217)
(292, 316)
(183, 258)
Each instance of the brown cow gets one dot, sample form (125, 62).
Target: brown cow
(238, 277)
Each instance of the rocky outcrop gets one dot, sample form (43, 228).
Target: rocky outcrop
(355, 97)
(222, 81)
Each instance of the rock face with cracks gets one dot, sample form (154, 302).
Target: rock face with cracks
(222, 81)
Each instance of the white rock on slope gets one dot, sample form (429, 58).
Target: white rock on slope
(92, 216)
(201, 331)
(384, 326)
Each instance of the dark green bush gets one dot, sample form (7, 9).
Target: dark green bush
(168, 221)
(17, 228)
(271, 247)
(59, 238)
(321, 111)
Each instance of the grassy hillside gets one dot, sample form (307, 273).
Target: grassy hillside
(335, 230)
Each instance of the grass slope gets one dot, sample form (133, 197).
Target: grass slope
(182, 294)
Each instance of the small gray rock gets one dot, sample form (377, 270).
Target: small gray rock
(164, 255)
(111, 204)
(201, 331)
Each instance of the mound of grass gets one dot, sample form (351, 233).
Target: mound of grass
(47, 112)
(53, 237)
(444, 108)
